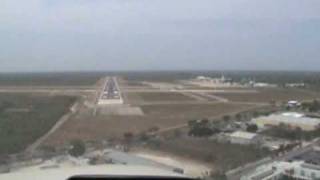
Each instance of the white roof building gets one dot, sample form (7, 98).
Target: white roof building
(242, 134)
(291, 119)
(293, 102)
(241, 137)
(304, 165)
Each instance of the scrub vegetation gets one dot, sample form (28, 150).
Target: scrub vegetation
(24, 118)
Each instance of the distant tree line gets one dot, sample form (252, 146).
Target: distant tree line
(275, 77)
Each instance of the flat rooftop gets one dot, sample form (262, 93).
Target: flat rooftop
(310, 157)
(292, 117)
(243, 134)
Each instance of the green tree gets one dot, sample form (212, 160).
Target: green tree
(252, 128)
(128, 136)
(315, 106)
(255, 114)
(286, 178)
(128, 139)
(143, 136)
(238, 117)
(219, 175)
(226, 118)
(78, 148)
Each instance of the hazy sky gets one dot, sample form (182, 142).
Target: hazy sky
(49, 35)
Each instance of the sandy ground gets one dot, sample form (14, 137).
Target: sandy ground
(269, 94)
(36, 173)
(191, 167)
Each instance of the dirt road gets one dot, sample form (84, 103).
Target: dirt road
(30, 149)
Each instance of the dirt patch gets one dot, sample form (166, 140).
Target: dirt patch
(221, 156)
(121, 110)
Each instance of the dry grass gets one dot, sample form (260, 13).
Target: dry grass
(219, 155)
(86, 127)
(191, 111)
(267, 95)
(157, 96)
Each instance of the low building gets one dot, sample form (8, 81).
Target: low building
(262, 85)
(295, 85)
(273, 144)
(291, 119)
(293, 103)
(305, 166)
(241, 137)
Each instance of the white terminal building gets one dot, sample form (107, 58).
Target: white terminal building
(274, 171)
(305, 166)
(245, 138)
(291, 119)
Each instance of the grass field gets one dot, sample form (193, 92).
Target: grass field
(157, 96)
(267, 95)
(24, 118)
(191, 111)
(50, 79)
(162, 116)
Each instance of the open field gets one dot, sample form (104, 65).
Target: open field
(162, 108)
(191, 111)
(168, 111)
(50, 79)
(24, 118)
(267, 95)
(124, 83)
(218, 155)
(102, 127)
(157, 96)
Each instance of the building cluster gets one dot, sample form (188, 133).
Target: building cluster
(295, 85)
(298, 162)
(303, 166)
(222, 82)
(261, 84)
(245, 138)
(237, 132)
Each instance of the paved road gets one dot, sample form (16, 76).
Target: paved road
(188, 90)
(194, 96)
(214, 97)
